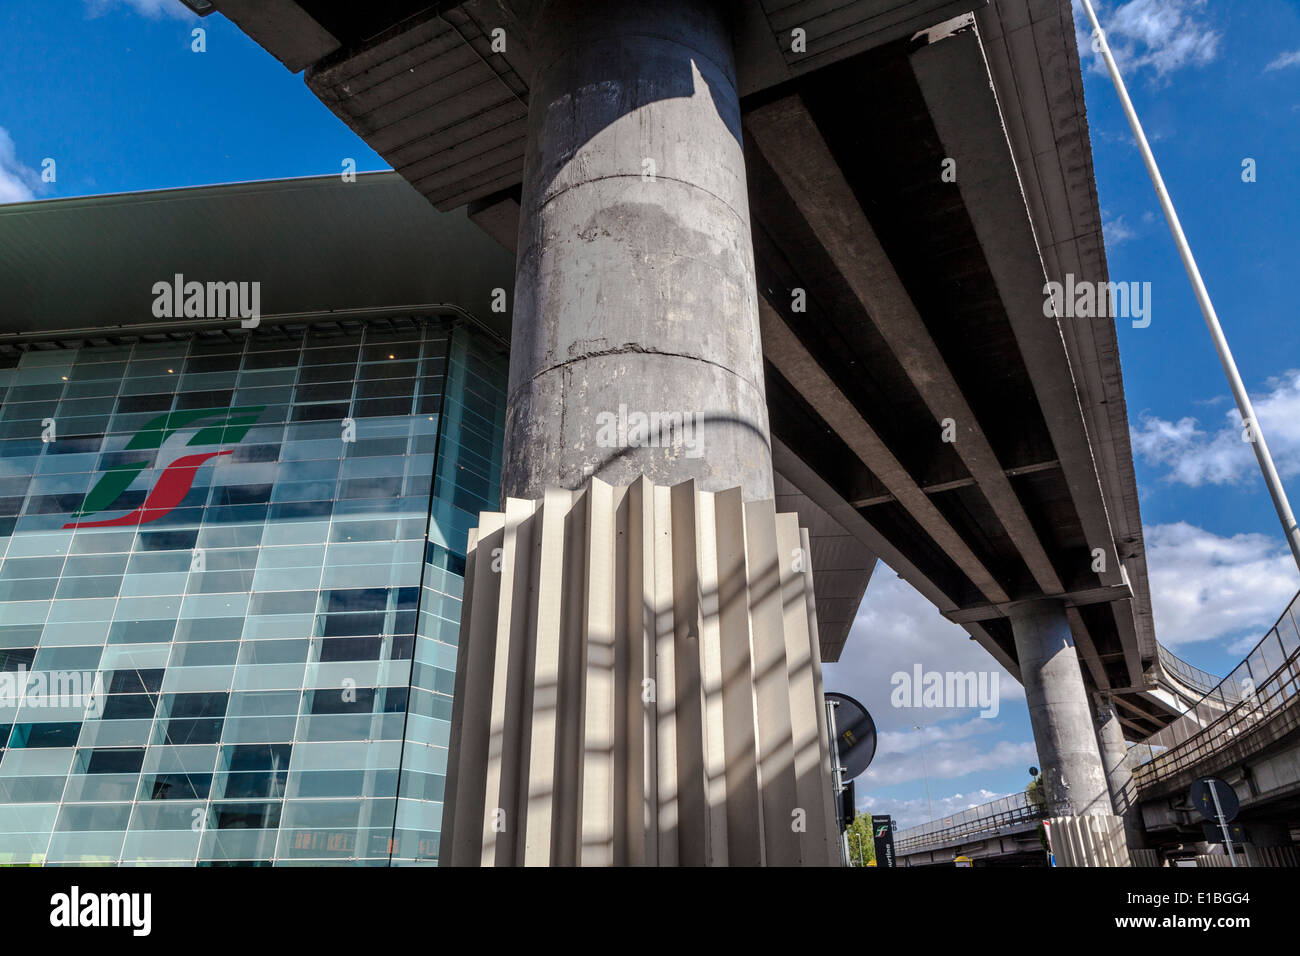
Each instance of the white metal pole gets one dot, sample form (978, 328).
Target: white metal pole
(1223, 824)
(1244, 406)
(837, 780)
(924, 770)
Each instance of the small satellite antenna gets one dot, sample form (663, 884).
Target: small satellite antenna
(856, 734)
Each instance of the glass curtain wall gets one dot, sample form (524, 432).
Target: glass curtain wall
(228, 602)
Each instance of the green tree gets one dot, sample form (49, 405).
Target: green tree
(1037, 795)
(862, 845)
(1038, 798)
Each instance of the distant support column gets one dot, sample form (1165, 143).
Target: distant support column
(635, 347)
(1119, 770)
(1073, 776)
(1058, 709)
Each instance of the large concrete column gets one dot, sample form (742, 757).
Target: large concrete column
(635, 289)
(1119, 770)
(1058, 709)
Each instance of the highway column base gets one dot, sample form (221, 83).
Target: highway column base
(638, 683)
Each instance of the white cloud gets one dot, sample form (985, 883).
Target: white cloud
(1204, 586)
(1116, 230)
(149, 8)
(1283, 60)
(1196, 456)
(897, 628)
(1157, 35)
(946, 760)
(18, 183)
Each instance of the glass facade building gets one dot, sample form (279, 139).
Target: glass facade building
(230, 580)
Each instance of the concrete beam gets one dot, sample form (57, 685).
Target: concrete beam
(1031, 55)
(794, 469)
(793, 146)
(832, 32)
(784, 350)
(938, 487)
(498, 216)
(1079, 598)
(282, 28)
(954, 80)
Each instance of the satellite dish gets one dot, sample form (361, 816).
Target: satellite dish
(856, 733)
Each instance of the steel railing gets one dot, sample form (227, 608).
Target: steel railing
(1189, 675)
(986, 818)
(1258, 688)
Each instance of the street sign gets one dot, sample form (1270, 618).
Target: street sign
(1218, 804)
(856, 733)
(847, 810)
(1214, 833)
(882, 828)
(964, 861)
(1202, 797)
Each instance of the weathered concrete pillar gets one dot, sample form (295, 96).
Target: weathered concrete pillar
(1118, 768)
(635, 348)
(1058, 710)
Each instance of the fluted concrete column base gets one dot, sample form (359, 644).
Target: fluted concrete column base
(1095, 839)
(1144, 857)
(638, 682)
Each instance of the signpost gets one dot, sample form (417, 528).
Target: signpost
(1218, 804)
(853, 745)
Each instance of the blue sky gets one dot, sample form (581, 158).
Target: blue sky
(113, 93)
(111, 90)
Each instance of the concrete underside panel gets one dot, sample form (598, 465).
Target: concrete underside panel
(440, 90)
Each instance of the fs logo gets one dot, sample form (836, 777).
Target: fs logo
(178, 477)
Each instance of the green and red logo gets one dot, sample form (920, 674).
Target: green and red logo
(178, 477)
